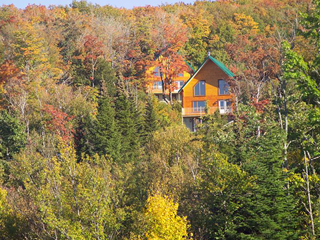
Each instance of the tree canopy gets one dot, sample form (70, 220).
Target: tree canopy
(86, 153)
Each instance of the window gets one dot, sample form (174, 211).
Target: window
(200, 89)
(179, 84)
(199, 106)
(223, 87)
(224, 106)
(157, 85)
(157, 72)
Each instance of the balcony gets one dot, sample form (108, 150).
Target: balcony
(201, 111)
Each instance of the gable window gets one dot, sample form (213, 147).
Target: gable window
(157, 72)
(200, 88)
(199, 106)
(157, 85)
(223, 87)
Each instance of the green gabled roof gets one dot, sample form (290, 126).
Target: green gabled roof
(222, 66)
(215, 61)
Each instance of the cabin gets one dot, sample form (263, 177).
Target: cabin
(154, 84)
(203, 92)
(206, 91)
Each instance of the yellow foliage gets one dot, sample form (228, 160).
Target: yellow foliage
(162, 221)
(172, 156)
(298, 180)
(245, 23)
(3, 194)
(5, 210)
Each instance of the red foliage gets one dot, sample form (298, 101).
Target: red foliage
(92, 48)
(59, 122)
(261, 105)
(11, 19)
(259, 58)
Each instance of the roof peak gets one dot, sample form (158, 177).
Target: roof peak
(215, 61)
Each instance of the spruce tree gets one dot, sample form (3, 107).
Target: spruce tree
(126, 121)
(269, 210)
(105, 134)
(83, 137)
(105, 78)
(150, 121)
(257, 203)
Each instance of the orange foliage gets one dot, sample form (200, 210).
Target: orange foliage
(59, 122)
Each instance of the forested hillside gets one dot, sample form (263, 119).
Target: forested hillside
(86, 153)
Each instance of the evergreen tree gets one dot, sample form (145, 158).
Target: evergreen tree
(150, 121)
(246, 197)
(270, 211)
(83, 136)
(106, 136)
(105, 78)
(126, 120)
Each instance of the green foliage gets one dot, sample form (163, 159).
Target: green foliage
(127, 123)
(150, 120)
(12, 135)
(259, 205)
(216, 201)
(105, 78)
(297, 69)
(76, 75)
(213, 133)
(74, 200)
(105, 132)
(272, 210)
(7, 218)
(82, 6)
(83, 136)
(172, 161)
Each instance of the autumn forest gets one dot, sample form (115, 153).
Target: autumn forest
(87, 153)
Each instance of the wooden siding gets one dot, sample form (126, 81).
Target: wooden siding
(211, 73)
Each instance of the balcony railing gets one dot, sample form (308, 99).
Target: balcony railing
(201, 111)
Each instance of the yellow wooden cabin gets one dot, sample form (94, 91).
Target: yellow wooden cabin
(206, 91)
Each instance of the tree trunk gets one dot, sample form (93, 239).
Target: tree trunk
(284, 86)
(309, 210)
(170, 92)
(163, 87)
